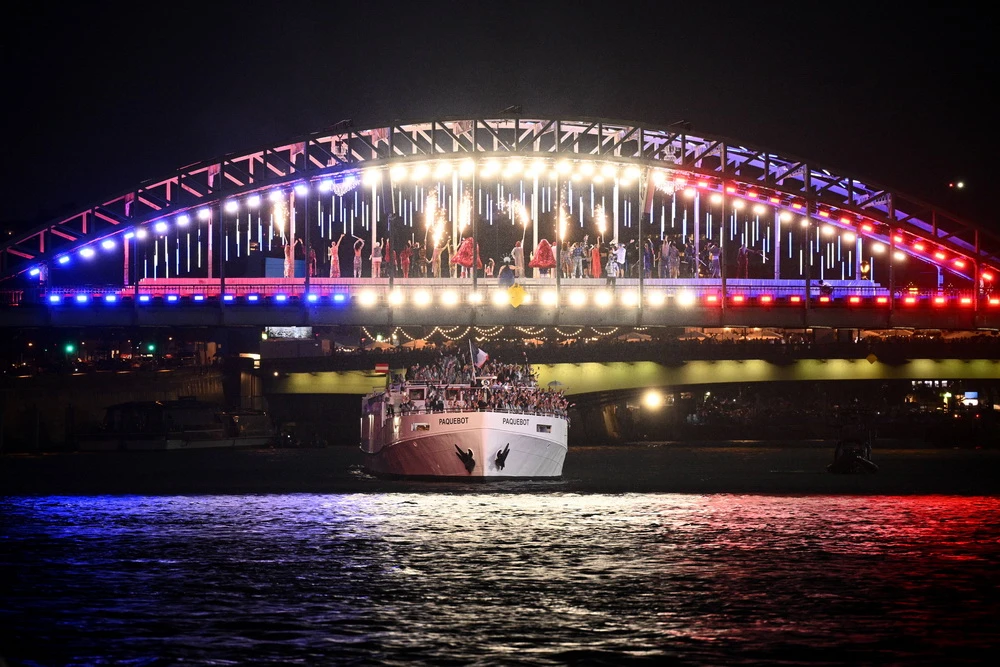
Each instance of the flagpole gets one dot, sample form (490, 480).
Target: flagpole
(472, 361)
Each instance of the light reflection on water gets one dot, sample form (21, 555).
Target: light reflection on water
(487, 577)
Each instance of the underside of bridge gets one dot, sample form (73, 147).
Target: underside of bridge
(594, 378)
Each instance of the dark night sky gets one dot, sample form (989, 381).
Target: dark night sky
(100, 98)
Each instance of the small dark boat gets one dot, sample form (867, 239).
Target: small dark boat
(852, 457)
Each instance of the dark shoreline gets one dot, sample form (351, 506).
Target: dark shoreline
(771, 467)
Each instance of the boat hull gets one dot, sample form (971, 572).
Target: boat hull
(467, 445)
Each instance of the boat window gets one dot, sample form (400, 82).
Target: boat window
(544, 428)
(417, 394)
(421, 427)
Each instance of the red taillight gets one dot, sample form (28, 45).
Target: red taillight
(795, 299)
(766, 298)
(910, 300)
(711, 298)
(882, 299)
(940, 301)
(995, 302)
(738, 298)
(966, 301)
(855, 299)
(824, 299)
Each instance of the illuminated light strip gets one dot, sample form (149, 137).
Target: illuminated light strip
(881, 299)
(739, 298)
(824, 299)
(854, 299)
(711, 298)
(407, 336)
(910, 300)
(940, 301)
(965, 301)
(568, 335)
(994, 301)
(795, 299)
(766, 298)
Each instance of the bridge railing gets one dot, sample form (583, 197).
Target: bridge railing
(452, 292)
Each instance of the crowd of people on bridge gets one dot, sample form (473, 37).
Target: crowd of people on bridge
(667, 256)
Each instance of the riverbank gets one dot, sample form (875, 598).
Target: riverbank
(670, 467)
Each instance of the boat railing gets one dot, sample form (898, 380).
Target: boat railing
(438, 411)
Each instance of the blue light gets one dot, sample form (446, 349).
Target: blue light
(129, 235)
(160, 227)
(172, 298)
(253, 297)
(183, 219)
(87, 253)
(198, 297)
(144, 298)
(34, 272)
(107, 244)
(312, 298)
(340, 298)
(302, 189)
(55, 298)
(82, 298)
(281, 297)
(229, 297)
(110, 298)
(325, 185)
(64, 259)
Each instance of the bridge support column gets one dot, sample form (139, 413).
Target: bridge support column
(777, 244)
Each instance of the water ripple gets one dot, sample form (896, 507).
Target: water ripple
(493, 576)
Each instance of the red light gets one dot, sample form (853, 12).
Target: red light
(824, 299)
(918, 246)
(910, 300)
(845, 220)
(965, 301)
(766, 298)
(994, 301)
(959, 263)
(752, 194)
(680, 181)
(987, 276)
(702, 184)
(738, 298)
(824, 214)
(867, 228)
(940, 301)
(897, 239)
(711, 298)
(939, 255)
(730, 189)
(795, 299)
(797, 206)
(855, 299)
(882, 299)
(774, 200)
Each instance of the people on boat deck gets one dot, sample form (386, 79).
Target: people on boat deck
(510, 387)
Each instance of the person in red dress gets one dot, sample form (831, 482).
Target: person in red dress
(404, 259)
(544, 260)
(463, 257)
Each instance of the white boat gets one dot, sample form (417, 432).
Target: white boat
(430, 431)
(186, 423)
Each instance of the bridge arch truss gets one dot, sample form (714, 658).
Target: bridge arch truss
(659, 167)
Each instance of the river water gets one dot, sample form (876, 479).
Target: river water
(516, 573)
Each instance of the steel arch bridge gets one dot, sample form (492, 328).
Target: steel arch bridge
(556, 176)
